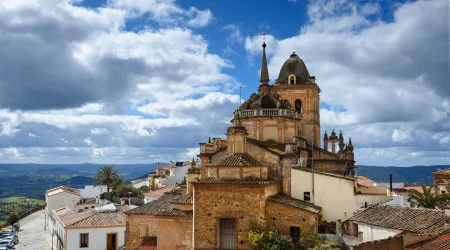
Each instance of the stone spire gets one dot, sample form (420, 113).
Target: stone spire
(264, 79)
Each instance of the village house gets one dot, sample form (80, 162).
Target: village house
(268, 170)
(60, 197)
(171, 175)
(381, 222)
(97, 228)
(142, 182)
(91, 191)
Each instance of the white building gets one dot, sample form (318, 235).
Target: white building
(60, 197)
(139, 182)
(381, 222)
(172, 174)
(95, 229)
(89, 191)
(340, 197)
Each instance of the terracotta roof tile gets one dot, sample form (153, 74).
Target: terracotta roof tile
(238, 159)
(160, 191)
(283, 199)
(116, 218)
(149, 243)
(91, 217)
(440, 242)
(62, 189)
(414, 220)
(278, 149)
(364, 181)
(162, 206)
(213, 180)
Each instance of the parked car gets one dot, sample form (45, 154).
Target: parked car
(5, 248)
(12, 238)
(6, 243)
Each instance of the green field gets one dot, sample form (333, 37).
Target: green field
(18, 205)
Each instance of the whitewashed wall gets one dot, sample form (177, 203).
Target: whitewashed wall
(89, 191)
(61, 200)
(371, 233)
(97, 237)
(141, 184)
(335, 195)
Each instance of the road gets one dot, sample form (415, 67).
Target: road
(32, 235)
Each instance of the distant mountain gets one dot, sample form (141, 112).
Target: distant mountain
(409, 175)
(78, 181)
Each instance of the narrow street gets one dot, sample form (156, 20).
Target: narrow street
(32, 235)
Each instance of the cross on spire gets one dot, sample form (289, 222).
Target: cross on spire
(264, 78)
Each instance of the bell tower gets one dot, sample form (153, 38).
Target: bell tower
(295, 85)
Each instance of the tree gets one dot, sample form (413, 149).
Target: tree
(144, 189)
(13, 218)
(427, 199)
(106, 176)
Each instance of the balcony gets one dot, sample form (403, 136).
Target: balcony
(269, 112)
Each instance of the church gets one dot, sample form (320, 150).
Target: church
(264, 171)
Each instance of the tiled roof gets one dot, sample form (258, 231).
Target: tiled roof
(62, 189)
(149, 243)
(283, 199)
(239, 159)
(364, 181)
(160, 191)
(440, 242)
(68, 217)
(91, 217)
(110, 219)
(162, 206)
(414, 220)
(213, 180)
(182, 197)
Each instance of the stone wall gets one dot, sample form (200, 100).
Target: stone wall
(244, 203)
(139, 226)
(172, 232)
(393, 243)
(282, 217)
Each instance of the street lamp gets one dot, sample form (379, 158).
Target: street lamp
(129, 198)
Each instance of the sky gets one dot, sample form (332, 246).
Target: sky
(142, 81)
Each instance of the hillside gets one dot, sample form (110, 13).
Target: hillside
(17, 205)
(409, 175)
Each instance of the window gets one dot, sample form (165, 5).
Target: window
(298, 106)
(84, 240)
(443, 191)
(306, 196)
(292, 79)
(295, 234)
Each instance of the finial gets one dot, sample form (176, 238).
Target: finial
(264, 79)
(237, 118)
(209, 139)
(349, 141)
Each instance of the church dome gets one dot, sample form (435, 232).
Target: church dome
(293, 66)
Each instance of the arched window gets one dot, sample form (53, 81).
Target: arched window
(298, 106)
(292, 79)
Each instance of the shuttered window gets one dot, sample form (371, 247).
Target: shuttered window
(84, 240)
(227, 233)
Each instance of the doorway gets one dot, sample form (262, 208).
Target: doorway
(111, 241)
(227, 233)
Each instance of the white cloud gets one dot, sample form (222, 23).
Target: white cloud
(99, 131)
(165, 12)
(401, 136)
(393, 96)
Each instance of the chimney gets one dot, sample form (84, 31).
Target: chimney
(390, 183)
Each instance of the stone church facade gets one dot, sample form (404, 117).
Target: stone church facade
(246, 177)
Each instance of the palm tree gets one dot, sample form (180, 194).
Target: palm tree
(427, 199)
(106, 176)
